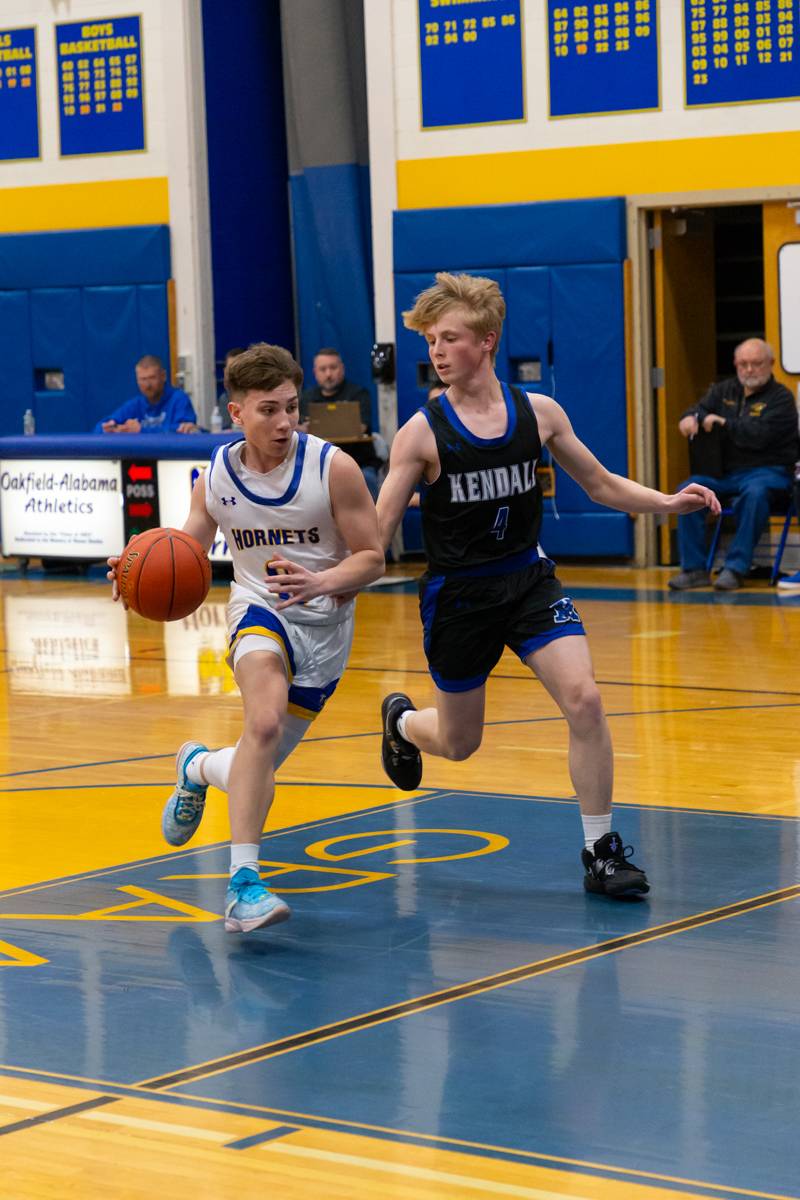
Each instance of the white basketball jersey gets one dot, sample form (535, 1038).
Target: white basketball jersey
(285, 513)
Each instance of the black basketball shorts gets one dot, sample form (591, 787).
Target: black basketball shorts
(467, 621)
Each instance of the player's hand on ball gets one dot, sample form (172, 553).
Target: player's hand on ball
(294, 584)
(111, 574)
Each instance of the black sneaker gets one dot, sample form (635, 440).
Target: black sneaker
(610, 871)
(401, 760)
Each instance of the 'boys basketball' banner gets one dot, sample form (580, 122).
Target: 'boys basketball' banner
(603, 56)
(101, 103)
(741, 51)
(470, 55)
(19, 111)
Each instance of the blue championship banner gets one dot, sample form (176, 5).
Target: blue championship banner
(19, 110)
(741, 51)
(100, 100)
(603, 57)
(470, 62)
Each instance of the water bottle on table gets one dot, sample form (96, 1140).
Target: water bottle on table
(28, 423)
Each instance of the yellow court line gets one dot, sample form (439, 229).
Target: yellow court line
(33, 1105)
(191, 1131)
(407, 1171)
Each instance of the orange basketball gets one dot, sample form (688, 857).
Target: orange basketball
(163, 574)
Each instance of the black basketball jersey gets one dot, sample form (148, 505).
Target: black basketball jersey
(486, 505)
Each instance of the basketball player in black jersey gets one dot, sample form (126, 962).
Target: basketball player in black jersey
(473, 451)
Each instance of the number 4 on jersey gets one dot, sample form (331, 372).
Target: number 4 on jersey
(500, 523)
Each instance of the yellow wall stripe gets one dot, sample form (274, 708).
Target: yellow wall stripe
(84, 205)
(680, 165)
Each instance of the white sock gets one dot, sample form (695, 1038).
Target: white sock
(194, 771)
(245, 854)
(215, 767)
(594, 828)
(401, 725)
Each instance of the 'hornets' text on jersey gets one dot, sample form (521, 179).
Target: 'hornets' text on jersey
(245, 539)
(285, 512)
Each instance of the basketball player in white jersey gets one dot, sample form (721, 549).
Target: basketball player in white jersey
(302, 530)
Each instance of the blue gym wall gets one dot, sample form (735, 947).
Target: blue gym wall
(89, 303)
(560, 268)
(248, 174)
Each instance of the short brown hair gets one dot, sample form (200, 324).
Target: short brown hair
(261, 368)
(479, 298)
(150, 360)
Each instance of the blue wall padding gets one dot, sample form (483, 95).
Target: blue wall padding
(587, 535)
(559, 266)
(57, 341)
(153, 317)
(16, 377)
(89, 303)
(81, 257)
(514, 235)
(250, 238)
(110, 322)
(333, 267)
(529, 325)
(589, 367)
(120, 325)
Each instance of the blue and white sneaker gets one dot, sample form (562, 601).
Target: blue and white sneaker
(790, 583)
(249, 904)
(184, 809)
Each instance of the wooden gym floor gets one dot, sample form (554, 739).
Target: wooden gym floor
(447, 1014)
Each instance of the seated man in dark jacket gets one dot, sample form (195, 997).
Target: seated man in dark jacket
(756, 418)
(332, 385)
(159, 407)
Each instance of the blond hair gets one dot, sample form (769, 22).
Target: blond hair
(479, 299)
(261, 368)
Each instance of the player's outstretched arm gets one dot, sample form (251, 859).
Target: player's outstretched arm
(603, 486)
(354, 514)
(407, 462)
(199, 524)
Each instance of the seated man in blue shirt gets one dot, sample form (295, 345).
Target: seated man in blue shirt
(159, 408)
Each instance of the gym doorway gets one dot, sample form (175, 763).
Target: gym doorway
(708, 295)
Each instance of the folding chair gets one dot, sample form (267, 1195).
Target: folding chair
(787, 521)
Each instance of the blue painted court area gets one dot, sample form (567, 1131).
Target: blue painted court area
(471, 992)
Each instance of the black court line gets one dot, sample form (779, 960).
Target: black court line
(463, 991)
(256, 1139)
(57, 1114)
